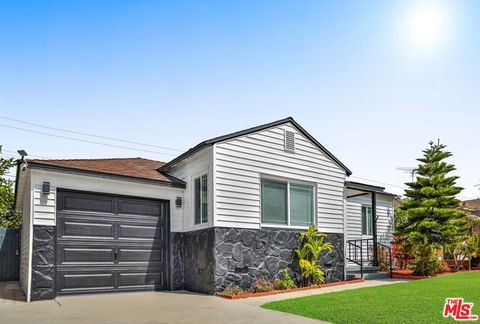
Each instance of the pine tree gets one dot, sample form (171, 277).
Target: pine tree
(432, 218)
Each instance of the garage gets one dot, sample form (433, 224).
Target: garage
(107, 243)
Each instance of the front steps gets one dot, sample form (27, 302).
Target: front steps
(369, 273)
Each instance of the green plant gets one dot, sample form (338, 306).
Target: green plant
(261, 285)
(312, 271)
(430, 218)
(284, 281)
(8, 217)
(313, 244)
(232, 291)
(466, 248)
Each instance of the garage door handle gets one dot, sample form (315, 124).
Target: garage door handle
(115, 257)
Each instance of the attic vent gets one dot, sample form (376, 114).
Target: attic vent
(289, 141)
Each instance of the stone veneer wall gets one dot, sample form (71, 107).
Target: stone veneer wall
(43, 263)
(199, 260)
(176, 261)
(242, 256)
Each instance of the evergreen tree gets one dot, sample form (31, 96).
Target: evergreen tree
(432, 218)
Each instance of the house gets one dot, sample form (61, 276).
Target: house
(472, 210)
(225, 212)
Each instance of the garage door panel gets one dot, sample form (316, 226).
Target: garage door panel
(140, 279)
(92, 230)
(85, 202)
(141, 255)
(138, 208)
(142, 232)
(81, 255)
(110, 243)
(85, 281)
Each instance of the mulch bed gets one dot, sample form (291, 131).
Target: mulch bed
(276, 292)
(408, 274)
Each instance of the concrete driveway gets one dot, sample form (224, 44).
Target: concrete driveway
(147, 307)
(154, 307)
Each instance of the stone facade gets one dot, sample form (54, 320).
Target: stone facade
(176, 261)
(242, 256)
(43, 263)
(215, 258)
(199, 261)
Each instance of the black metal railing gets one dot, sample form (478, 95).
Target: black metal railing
(361, 252)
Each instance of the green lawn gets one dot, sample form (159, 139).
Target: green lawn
(418, 301)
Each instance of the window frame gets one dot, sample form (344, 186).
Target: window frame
(369, 220)
(288, 182)
(203, 221)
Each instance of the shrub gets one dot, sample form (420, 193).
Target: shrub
(284, 281)
(261, 285)
(232, 291)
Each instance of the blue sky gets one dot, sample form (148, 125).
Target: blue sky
(173, 73)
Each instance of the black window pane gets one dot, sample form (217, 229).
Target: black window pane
(274, 202)
(197, 200)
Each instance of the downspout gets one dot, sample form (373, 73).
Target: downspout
(374, 220)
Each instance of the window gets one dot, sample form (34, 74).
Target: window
(367, 220)
(201, 199)
(286, 203)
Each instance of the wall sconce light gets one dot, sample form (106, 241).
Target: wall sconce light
(178, 202)
(46, 188)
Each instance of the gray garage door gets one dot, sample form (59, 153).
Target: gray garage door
(109, 243)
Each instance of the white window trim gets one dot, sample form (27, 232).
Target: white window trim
(288, 181)
(197, 175)
(368, 221)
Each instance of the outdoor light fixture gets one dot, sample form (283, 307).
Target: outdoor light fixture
(22, 153)
(178, 202)
(46, 188)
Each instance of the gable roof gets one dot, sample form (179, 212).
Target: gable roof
(247, 131)
(133, 168)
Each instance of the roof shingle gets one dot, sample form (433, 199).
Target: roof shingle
(128, 167)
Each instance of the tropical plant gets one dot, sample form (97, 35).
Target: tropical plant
(284, 281)
(313, 244)
(312, 271)
(432, 218)
(465, 249)
(8, 217)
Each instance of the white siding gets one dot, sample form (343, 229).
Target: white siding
(189, 169)
(44, 205)
(384, 214)
(241, 162)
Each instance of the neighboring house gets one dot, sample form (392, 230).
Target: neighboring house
(223, 213)
(472, 210)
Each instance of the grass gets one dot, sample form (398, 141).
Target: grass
(418, 301)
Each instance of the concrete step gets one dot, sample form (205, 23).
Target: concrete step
(367, 275)
(366, 268)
